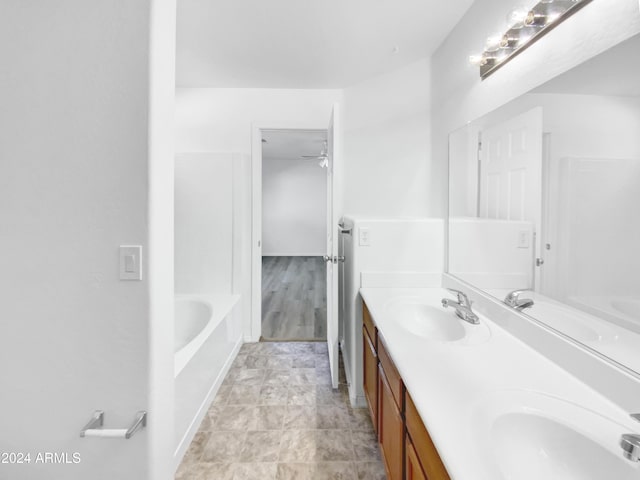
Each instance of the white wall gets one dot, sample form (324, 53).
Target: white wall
(386, 144)
(83, 133)
(459, 96)
(386, 123)
(294, 207)
(219, 119)
(401, 253)
(609, 130)
(491, 253)
(204, 223)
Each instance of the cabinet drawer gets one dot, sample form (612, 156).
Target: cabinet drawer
(395, 382)
(367, 321)
(424, 448)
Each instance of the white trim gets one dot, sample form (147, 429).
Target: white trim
(253, 330)
(281, 254)
(400, 279)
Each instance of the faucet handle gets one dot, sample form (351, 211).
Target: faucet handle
(630, 444)
(512, 296)
(462, 297)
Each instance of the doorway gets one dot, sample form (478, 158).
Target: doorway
(330, 160)
(294, 232)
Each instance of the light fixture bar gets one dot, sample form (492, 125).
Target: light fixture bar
(524, 31)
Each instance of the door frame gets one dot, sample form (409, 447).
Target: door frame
(252, 330)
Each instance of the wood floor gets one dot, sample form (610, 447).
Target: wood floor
(294, 298)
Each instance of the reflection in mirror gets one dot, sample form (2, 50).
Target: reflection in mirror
(545, 196)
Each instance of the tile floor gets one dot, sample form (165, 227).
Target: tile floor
(276, 417)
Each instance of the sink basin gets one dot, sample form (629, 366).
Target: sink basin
(532, 436)
(628, 307)
(421, 318)
(576, 324)
(428, 321)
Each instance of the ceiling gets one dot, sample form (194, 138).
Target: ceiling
(614, 72)
(292, 144)
(305, 43)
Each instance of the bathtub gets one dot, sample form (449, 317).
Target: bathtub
(207, 337)
(196, 317)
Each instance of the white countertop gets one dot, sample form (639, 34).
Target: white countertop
(454, 384)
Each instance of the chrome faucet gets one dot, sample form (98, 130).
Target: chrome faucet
(462, 306)
(513, 300)
(630, 443)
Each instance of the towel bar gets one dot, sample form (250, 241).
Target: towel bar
(94, 427)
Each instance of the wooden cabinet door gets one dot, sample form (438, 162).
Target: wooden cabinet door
(370, 374)
(423, 447)
(390, 429)
(413, 469)
(390, 372)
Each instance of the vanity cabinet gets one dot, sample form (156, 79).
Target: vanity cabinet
(407, 450)
(370, 365)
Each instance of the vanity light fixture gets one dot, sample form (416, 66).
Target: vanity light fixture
(524, 26)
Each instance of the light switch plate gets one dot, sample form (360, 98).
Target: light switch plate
(130, 262)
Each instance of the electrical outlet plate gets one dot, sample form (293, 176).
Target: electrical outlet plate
(364, 236)
(523, 239)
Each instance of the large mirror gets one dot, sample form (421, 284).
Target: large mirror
(544, 196)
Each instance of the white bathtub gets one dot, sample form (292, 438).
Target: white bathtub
(196, 317)
(208, 336)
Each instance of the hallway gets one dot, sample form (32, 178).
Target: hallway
(294, 298)
(276, 417)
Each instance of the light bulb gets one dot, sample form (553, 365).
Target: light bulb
(477, 60)
(515, 18)
(493, 42)
(535, 19)
(509, 40)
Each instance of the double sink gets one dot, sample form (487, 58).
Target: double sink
(516, 433)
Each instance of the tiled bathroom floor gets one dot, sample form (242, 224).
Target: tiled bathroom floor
(276, 417)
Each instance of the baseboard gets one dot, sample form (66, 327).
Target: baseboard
(315, 254)
(269, 339)
(357, 401)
